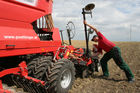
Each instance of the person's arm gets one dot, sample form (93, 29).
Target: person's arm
(96, 54)
(92, 27)
(100, 51)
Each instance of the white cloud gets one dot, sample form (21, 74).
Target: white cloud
(112, 17)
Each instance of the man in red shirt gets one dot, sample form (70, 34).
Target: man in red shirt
(112, 51)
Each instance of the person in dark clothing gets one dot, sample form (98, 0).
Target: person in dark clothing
(112, 51)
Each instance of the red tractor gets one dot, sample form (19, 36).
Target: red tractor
(31, 52)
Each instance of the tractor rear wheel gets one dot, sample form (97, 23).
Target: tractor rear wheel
(61, 75)
(37, 66)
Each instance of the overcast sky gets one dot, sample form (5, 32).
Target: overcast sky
(114, 18)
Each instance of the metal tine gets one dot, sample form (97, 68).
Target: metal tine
(25, 82)
(22, 84)
(42, 88)
(15, 81)
(18, 81)
(36, 87)
(29, 85)
(32, 86)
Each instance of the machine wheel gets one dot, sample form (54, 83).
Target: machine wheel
(38, 65)
(61, 75)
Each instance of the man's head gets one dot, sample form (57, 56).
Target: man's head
(95, 38)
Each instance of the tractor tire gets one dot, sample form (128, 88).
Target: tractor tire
(37, 66)
(61, 76)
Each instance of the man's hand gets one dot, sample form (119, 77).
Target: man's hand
(85, 22)
(96, 54)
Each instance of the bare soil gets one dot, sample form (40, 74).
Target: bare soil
(117, 82)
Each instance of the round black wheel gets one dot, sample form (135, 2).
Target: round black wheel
(37, 66)
(61, 75)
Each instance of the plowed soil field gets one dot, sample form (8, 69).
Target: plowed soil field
(117, 82)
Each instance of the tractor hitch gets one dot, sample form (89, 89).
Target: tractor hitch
(22, 80)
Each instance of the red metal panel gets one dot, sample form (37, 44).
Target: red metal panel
(22, 35)
(1, 87)
(13, 10)
(17, 35)
(15, 52)
(44, 5)
(27, 44)
(56, 34)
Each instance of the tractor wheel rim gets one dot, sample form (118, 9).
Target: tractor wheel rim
(66, 78)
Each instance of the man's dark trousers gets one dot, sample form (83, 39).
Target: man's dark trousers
(115, 53)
